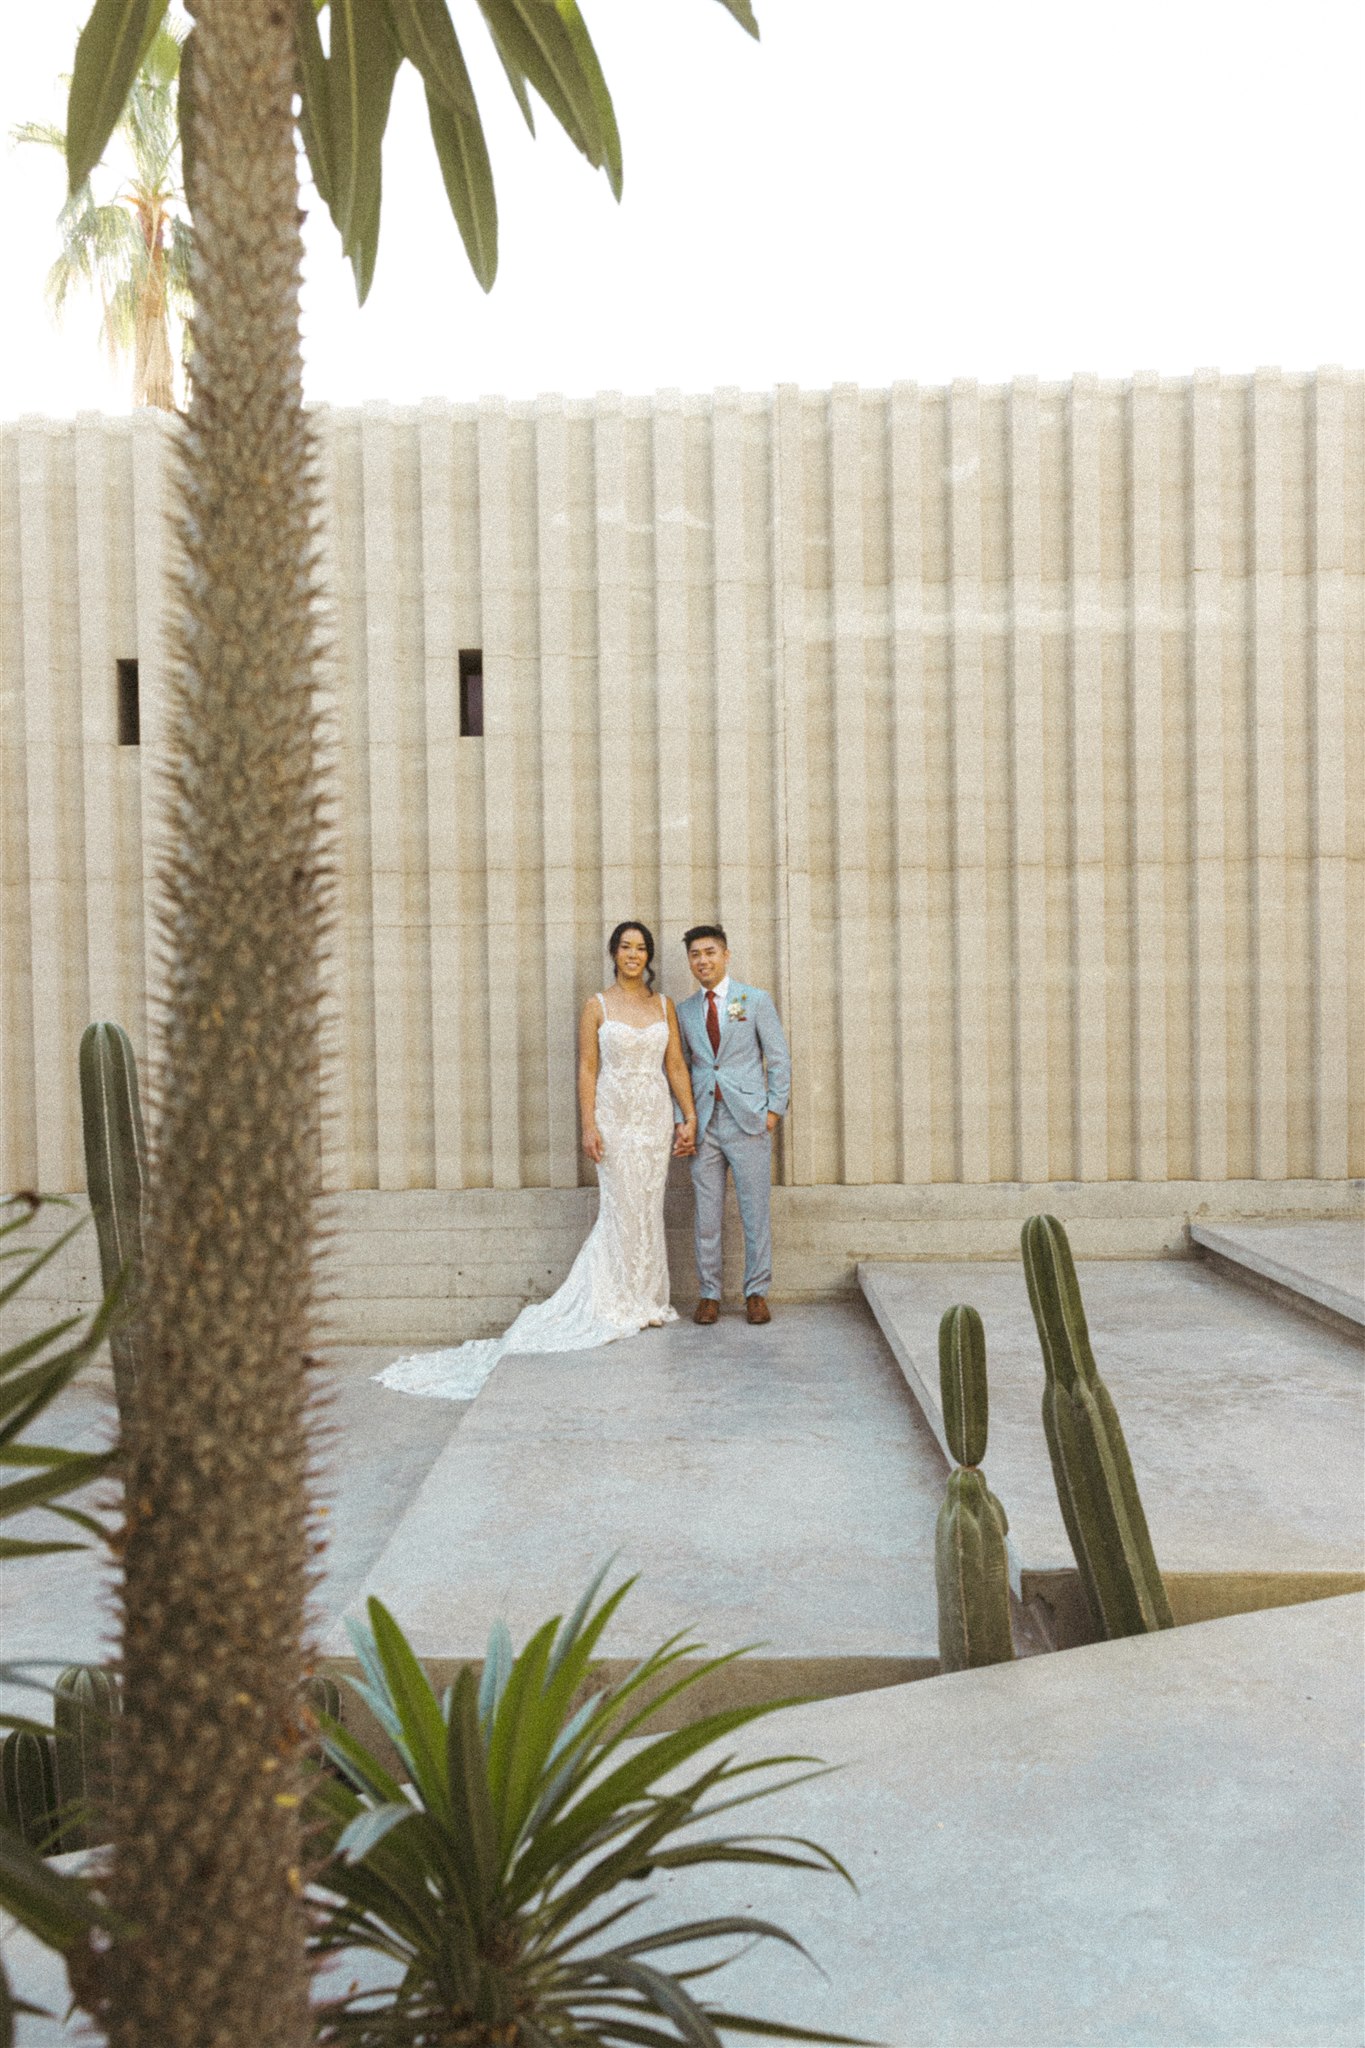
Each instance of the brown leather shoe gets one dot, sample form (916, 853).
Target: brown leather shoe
(706, 1311)
(756, 1309)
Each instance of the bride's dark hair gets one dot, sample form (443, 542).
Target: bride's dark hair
(633, 924)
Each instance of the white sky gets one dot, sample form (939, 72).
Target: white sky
(876, 191)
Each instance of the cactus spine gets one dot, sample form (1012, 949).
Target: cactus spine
(115, 1175)
(85, 1701)
(28, 1789)
(970, 1559)
(1096, 1489)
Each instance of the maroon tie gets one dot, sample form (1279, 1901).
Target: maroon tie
(712, 1020)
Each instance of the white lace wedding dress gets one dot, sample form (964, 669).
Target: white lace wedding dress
(619, 1282)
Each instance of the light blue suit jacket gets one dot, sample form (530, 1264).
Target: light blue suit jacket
(753, 1066)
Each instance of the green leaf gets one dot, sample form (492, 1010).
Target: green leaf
(548, 46)
(35, 1265)
(497, 1669)
(427, 38)
(111, 47)
(77, 1468)
(777, 2030)
(56, 1908)
(475, 1823)
(743, 14)
(467, 175)
(362, 62)
(315, 114)
(368, 1829)
(418, 1710)
(665, 1994)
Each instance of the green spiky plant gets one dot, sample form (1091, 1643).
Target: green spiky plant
(115, 1178)
(217, 1542)
(59, 1910)
(970, 1557)
(492, 1877)
(1096, 1489)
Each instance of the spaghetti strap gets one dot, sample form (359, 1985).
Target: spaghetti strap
(663, 1004)
(603, 1001)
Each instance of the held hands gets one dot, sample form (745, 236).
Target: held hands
(685, 1138)
(592, 1143)
(773, 1121)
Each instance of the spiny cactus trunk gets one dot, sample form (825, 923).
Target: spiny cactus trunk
(217, 1541)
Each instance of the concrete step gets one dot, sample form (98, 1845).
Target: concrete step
(1244, 1421)
(773, 1486)
(1318, 1265)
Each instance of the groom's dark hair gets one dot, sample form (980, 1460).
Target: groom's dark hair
(704, 931)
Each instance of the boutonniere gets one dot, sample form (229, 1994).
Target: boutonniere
(736, 1011)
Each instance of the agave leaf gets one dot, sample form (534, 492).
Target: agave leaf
(497, 1669)
(664, 1993)
(631, 1780)
(36, 1260)
(418, 1709)
(18, 1355)
(711, 1930)
(69, 1469)
(112, 45)
(579, 1635)
(57, 1908)
(475, 1835)
(734, 1849)
(356, 1762)
(777, 2030)
(369, 1828)
(518, 1731)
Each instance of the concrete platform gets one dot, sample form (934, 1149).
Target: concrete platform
(374, 1455)
(774, 1485)
(1154, 1843)
(1246, 1422)
(1321, 1263)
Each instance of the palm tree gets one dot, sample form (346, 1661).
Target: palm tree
(132, 249)
(208, 1854)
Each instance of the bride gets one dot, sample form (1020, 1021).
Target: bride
(629, 1057)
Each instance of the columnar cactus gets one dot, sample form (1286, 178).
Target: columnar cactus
(1096, 1489)
(28, 1789)
(970, 1559)
(85, 1701)
(115, 1175)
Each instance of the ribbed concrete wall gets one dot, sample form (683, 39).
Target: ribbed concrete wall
(1017, 735)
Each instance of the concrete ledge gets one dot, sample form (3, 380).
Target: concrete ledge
(1227, 1401)
(438, 1265)
(1319, 1262)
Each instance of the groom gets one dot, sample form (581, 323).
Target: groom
(741, 1080)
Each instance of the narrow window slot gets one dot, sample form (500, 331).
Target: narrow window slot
(129, 714)
(471, 693)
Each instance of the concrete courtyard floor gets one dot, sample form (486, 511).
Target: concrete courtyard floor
(1149, 1844)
